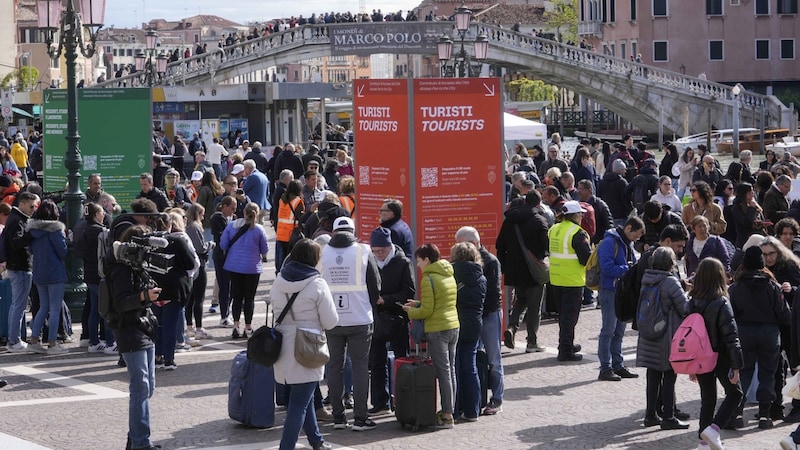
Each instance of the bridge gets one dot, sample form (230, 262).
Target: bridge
(645, 95)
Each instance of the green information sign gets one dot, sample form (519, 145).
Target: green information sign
(115, 126)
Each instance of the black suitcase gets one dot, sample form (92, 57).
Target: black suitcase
(415, 393)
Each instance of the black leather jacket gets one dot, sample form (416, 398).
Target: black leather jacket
(722, 329)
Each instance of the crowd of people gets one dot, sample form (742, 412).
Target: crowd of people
(736, 234)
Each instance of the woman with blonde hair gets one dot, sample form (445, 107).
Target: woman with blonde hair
(245, 242)
(345, 163)
(468, 272)
(194, 308)
(347, 194)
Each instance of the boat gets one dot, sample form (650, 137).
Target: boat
(751, 140)
(717, 136)
(611, 135)
(789, 144)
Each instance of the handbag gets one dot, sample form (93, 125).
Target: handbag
(264, 346)
(538, 268)
(297, 232)
(311, 348)
(792, 387)
(387, 326)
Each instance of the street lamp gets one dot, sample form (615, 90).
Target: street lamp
(70, 39)
(735, 92)
(144, 62)
(462, 61)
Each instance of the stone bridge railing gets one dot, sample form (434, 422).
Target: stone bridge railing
(205, 66)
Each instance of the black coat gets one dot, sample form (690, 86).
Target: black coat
(469, 300)
(397, 284)
(756, 299)
(176, 284)
(259, 158)
(89, 243)
(652, 231)
(491, 270)
(744, 218)
(722, 330)
(533, 227)
(612, 190)
(127, 289)
(602, 219)
(288, 159)
(16, 241)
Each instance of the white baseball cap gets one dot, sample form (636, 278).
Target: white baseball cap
(237, 169)
(344, 223)
(572, 207)
(197, 175)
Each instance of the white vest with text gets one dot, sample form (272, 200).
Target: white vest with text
(345, 270)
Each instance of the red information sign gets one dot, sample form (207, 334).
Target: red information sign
(458, 138)
(380, 124)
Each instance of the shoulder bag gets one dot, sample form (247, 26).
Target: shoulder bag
(236, 237)
(264, 346)
(539, 269)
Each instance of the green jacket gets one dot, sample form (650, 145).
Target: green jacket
(438, 298)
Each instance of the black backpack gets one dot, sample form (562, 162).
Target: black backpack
(626, 295)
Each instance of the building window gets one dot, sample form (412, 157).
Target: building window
(659, 7)
(129, 52)
(762, 7)
(604, 12)
(660, 52)
(612, 11)
(622, 49)
(633, 48)
(715, 51)
(762, 48)
(787, 48)
(633, 9)
(714, 7)
(787, 6)
(115, 52)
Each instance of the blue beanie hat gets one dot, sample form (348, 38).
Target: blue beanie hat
(380, 237)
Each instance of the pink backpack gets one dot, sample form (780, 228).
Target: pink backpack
(691, 352)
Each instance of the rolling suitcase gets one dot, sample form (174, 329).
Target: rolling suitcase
(415, 392)
(251, 393)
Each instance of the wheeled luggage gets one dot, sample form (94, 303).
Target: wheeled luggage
(251, 393)
(415, 392)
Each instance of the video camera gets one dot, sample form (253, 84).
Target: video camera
(142, 251)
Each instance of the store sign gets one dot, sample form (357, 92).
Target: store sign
(365, 39)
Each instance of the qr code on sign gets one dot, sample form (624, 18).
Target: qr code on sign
(90, 162)
(363, 175)
(430, 176)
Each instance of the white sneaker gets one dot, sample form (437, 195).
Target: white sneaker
(20, 346)
(226, 322)
(97, 348)
(57, 350)
(787, 443)
(193, 342)
(190, 332)
(37, 348)
(111, 350)
(213, 309)
(201, 334)
(712, 438)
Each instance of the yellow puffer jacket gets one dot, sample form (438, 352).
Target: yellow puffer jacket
(438, 298)
(20, 156)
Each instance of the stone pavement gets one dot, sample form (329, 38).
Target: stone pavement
(79, 401)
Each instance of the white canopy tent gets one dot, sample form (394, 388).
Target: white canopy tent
(516, 128)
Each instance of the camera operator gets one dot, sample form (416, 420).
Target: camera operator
(176, 286)
(134, 329)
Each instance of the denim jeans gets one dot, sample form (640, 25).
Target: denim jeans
(609, 346)
(356, 341)
(20, 288)
(490, 339)
(300, 413)
(142, 374)
(50, 297)
(468, 385)
(168, 317)
(94, 318)
(442, 348)
(530, 298)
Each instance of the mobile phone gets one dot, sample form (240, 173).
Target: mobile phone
(240, 192)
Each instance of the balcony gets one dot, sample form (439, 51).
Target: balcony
(590, 29)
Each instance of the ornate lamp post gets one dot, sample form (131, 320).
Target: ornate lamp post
(462, 62)
(735, 93)
(144, 62)
(70, 25)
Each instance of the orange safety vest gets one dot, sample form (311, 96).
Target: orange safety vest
(286, 219)
(348, 203)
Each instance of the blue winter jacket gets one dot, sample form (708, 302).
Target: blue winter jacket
(245, 254)
(49, 248)
(255, 186)
(612, 267)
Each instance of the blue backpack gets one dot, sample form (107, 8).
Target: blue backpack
(651, 319)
